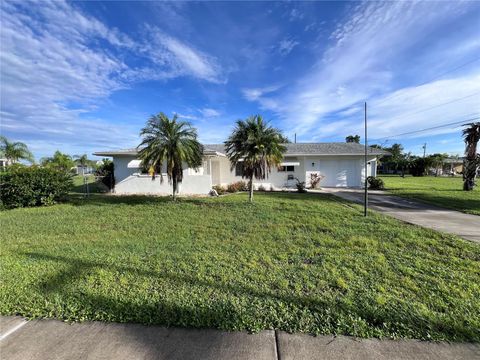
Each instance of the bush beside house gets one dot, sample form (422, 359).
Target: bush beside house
(22, 186)
(375, 183)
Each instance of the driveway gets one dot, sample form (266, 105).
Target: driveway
(52, 339)
(450, 221)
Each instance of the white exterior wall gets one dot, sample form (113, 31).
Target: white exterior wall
(129, 181)
(338, 171)
(275, 179)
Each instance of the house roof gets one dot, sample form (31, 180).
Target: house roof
(327, 148)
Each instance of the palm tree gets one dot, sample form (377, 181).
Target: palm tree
(59, 161)
(170, 142)
(14, 151)
(256, 147)
(353, 139)
(83, 161)
(471, 136)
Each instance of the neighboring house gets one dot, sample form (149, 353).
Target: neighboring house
(3, 162)
(341, 164)
(452, 166)
(83, 169)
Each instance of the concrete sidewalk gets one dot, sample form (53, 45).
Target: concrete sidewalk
(52, 339)
(450, 221)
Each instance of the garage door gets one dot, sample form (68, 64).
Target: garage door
(340, 173)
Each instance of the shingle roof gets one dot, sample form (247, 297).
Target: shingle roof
(330, 148)
(327, 148)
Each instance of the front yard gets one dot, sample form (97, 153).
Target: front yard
(296, 262)
(441, 191)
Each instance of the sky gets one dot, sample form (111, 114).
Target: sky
(85, 76)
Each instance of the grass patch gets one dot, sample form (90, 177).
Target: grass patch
(442, 191)
(94, 187)
(295, 262)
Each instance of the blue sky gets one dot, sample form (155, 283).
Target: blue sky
(85, 76)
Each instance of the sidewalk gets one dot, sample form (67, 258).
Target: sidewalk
(422, 214)
(52, 339)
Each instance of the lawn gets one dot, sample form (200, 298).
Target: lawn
(442, 191)
(93, 185)
(297, 262)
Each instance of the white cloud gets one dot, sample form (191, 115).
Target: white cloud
(285, 46)
(368, 53)
(58, 63)
(296, 14)
(181, 58)
(207, 112)
(254, 94)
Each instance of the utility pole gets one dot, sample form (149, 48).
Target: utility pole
(295, 141)
(366, 171)
(424, 149)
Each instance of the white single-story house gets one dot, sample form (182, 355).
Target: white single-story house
(341, 164)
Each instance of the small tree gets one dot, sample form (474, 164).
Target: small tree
(256, 146)
(83, 161)
(59, 161)
(353, 139)
(170, 142)
(403, 162)
(315, 180)
(14, 151)
(106, 172)
(437, 161)
(471, 136)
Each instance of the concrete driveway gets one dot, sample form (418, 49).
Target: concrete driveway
(450, 221)
(52, 339)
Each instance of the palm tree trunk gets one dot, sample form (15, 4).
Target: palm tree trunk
(469, 170)
(174, 186)
(250, 184)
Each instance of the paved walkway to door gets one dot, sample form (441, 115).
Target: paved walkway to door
(450, 221)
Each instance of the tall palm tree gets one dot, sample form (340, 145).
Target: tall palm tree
(256, 146)
(170, 142)
(14, 151)
(471, 136)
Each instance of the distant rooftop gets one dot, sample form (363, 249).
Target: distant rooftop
(326, 148)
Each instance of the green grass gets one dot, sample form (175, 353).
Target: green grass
(296, 262)
(441, 191)
(94, 187)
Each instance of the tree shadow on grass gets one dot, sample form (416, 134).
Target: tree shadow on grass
(449, 202)
(108, 199)
(224, 315)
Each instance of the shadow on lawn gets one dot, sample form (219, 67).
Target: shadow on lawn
(224, 315)
(459, 204)
(109, 199)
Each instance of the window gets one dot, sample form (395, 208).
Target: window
(239, 169)
(289, 168)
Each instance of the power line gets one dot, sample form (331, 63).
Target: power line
(395, 94)
(438, 105)
(430, 128)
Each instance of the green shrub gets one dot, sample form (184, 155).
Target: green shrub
(219, 189)
(33, 186)
(375, 183)
(301, 186)
(237, 186)
(106, 173)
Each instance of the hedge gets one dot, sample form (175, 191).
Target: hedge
(22, 186)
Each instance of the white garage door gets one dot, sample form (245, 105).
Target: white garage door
(340, 173)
